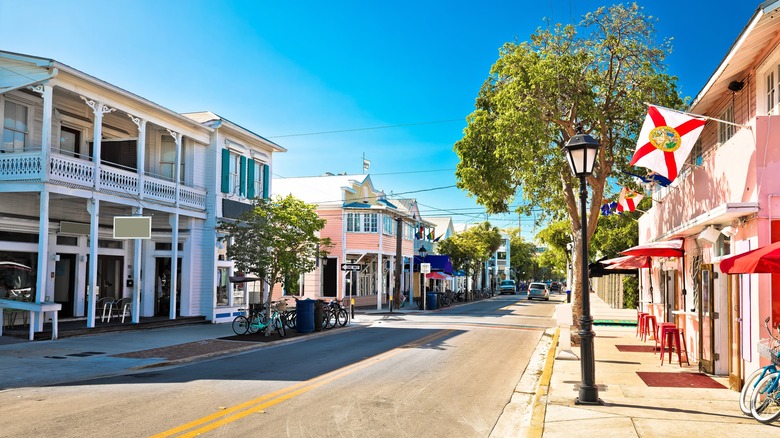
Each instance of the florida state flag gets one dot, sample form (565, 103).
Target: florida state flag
(629, 199)
(665, 141)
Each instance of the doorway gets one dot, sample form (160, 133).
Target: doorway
(706, 322)
(162, 289)
(109, 278)
(330, 277)
(65, 284)
(669, 294)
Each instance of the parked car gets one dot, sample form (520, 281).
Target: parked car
(507, 287)
(539, 290)
(555, 287)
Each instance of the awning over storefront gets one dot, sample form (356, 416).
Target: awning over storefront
(669, 248)
(439, 263)
(630, 262)
(438, 276)
(765, 260)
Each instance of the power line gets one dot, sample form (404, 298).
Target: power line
(365, 129)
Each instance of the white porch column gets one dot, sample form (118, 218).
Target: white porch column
(140, 153)
(43, 254)
(98, 109)
(137, 259)
(45, 91)
(174, 221)
(93, 207)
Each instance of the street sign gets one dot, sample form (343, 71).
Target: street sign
(351, 266)
(425, 268)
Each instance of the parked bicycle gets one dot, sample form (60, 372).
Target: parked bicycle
(340, 313)
(257, 320)
(752, 380)
(765, 400)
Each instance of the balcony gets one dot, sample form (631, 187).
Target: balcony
(78, 173)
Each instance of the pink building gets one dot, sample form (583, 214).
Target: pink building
(726, 201)
(363, 227)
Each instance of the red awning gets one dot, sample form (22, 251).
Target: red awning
(437, 276)
(765, 260)
(669, 248)
(631, 262)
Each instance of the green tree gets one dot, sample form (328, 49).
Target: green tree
(617, 232)
(470, 249)
(278, 237)
(522, 256)
(556, 237)
(598, 74)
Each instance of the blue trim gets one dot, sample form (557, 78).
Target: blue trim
(357, 205)
(222, 315)
(388, 203)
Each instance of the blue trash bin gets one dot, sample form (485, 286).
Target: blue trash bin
(431, 301)
(304, 316)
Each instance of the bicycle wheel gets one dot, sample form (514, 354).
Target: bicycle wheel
(240, 325)
(342, 317)
(279, 325)
(747, 390)
(257, 323)
(765, 401)
(290, 319)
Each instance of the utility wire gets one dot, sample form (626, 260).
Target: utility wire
(365, 129)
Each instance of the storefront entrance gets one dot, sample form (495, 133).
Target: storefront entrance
(162, 290)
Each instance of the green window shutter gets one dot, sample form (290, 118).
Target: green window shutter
(250, 179)
(225, 171)
(242, 178)
(266, 180)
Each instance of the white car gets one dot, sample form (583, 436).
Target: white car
(507, 287)
(539, 290)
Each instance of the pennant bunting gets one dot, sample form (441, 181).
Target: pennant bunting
(608, 208)
(629, 199)
(665, 141)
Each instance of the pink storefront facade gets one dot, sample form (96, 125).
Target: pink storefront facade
(725, 202)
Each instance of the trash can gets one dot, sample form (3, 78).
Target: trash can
(568, 295)
(318, 315)
(432, 302)
(304, 316)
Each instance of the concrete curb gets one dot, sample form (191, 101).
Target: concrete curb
(540, 401)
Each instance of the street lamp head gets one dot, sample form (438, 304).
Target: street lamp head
(423, 252)
(581, 151)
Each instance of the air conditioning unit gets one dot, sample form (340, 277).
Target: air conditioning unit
(710, 234)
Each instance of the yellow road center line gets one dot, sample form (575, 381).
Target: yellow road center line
(258, 404)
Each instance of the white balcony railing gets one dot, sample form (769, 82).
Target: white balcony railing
(77, 173)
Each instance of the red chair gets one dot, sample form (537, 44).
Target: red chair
(640, 324)
(669, 332)
(651, 327)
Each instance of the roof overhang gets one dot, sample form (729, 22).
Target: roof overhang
(724, 214)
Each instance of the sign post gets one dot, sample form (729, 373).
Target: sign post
(351, 268)
(425, 269)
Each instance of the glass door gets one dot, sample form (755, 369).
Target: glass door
(706, 322)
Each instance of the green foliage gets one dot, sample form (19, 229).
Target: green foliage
(470, 249)
(522, 256)
(615, 233)
(630, 292)
(600, 74)
(276, 239)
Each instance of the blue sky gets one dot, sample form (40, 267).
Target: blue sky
(316, 77)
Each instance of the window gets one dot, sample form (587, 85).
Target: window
(168, 158)
(15, 129)
(726, 130)
(222, 286)
(388, 225)
(369, 223)
(695, 158)
(257, 184)
(70, 139)
(770, 92)
(353, 222)
(235, 168)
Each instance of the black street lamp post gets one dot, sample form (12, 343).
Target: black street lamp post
(581, 151)
(423, 252)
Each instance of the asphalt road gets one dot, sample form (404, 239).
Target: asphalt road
(441, 374)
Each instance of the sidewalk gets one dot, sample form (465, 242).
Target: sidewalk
(631, 406)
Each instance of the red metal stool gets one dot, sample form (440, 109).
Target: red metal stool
(659, 332)
(641, 327)
(651, 327)
(671, 333)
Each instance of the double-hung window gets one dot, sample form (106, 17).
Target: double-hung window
(388, 225)
(353, 222)
(370, 223)
(726, 130)
(15, 127)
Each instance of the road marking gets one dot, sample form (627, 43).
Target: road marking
(237, 412)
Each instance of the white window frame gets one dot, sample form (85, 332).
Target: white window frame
(726, 130)
(370, 223)
(234, 173)
(27, 134)
(388, 227)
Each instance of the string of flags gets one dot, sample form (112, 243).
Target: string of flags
(663, 145)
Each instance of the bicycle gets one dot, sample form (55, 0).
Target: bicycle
(258, 321)
(340, 312)
(241, 323)
(765, 400)
(756, 376)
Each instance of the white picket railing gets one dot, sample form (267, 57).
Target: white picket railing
(77, 173)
